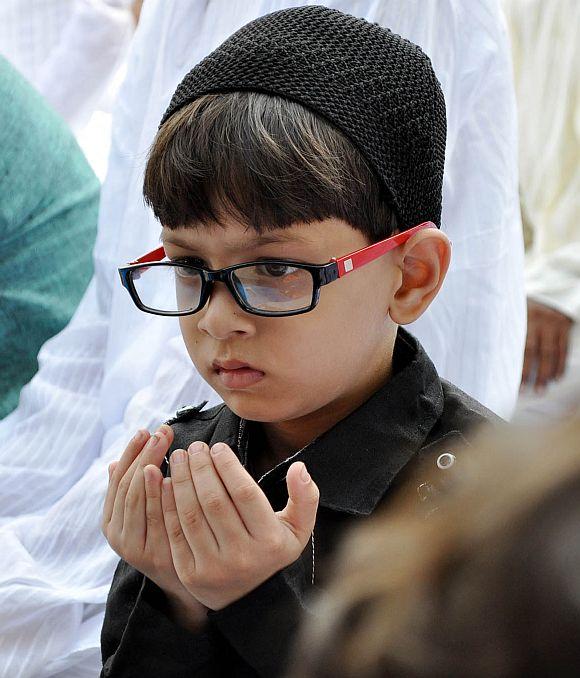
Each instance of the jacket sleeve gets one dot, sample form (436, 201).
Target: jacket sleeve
(261, 627)
(139, 640)
(554, 280)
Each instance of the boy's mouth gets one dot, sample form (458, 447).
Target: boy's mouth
(235, 374)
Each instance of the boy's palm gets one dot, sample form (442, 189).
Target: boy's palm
(224, 536)
(208, 535)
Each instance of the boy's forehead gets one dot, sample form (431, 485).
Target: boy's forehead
(235, 238)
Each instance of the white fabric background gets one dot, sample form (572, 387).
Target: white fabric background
(72, 51)
(114, 369)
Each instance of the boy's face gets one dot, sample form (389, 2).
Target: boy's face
(321, 361)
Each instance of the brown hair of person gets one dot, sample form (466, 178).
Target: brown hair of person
(264, 160)
(489, 585)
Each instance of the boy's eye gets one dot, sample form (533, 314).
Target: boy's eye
(276, 270)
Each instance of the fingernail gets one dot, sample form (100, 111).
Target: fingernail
(165, 485)
(217, 448)
(153, 440)
(178, 457)
(138, 436)
(304, 475)
(196, 448)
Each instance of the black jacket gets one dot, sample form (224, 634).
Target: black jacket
(415, 416)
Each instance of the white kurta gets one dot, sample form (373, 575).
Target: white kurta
(546, 55)
(114, 369)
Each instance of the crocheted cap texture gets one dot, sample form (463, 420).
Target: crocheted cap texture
(376, 87)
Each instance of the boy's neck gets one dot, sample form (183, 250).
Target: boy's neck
(282, 439)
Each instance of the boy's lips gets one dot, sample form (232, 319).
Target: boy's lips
(236, 374)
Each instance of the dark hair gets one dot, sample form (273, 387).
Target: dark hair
(265, 160)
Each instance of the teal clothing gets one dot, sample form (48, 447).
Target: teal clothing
(48, 222)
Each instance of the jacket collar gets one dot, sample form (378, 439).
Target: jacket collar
(356, 461)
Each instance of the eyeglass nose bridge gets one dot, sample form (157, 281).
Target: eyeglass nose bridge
(223, 276)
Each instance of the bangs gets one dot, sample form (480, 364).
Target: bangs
(264, 160)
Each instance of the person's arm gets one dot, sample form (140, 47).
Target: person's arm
(262, 625)
(554, 280)
(553, 288)
(141, 637)
(153, 625)
(232, 552)
(208, 537)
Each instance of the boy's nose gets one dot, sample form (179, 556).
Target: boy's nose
(222, 316)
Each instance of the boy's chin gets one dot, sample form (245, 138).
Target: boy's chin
(256, 408)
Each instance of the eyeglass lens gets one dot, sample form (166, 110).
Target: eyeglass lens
(274, 288)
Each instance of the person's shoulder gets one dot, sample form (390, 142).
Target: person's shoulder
(194, 413)
(441, 457)
(462, 411)
(461, 418)
(193, 422)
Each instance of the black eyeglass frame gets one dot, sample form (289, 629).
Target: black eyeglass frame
(322, 274)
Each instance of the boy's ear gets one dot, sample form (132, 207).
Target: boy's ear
(424, 260)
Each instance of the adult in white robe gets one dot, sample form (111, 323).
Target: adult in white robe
(114, 369)
(546, 55)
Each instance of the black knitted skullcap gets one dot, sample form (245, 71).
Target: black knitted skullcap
(376, 87)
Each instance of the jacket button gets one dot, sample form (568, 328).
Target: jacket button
(426, 491)
(445, 460)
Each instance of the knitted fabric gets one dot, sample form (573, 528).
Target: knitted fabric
(376, 87)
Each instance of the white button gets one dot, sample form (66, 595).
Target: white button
(445, 460)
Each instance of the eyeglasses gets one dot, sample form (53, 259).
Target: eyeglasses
(269, 287)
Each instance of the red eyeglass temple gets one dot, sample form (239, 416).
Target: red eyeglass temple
(365, 255)
(345, 264)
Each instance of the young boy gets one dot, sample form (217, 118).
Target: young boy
(297, 175)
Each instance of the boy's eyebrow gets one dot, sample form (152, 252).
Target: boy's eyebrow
(250, 243)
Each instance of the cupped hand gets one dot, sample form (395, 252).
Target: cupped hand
(547, 341)
(133, 521)
(224, 536)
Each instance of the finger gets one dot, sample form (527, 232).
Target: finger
(191, 516)
(216, 503)
(250, 501)
(299, 515)
(153, 453)
(134, 527)
(563, 341)
(156, 536)
(548, 359)
(181, 553)
(530, 353)
(129, 455)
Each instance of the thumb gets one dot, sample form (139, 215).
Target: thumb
(303, 495)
